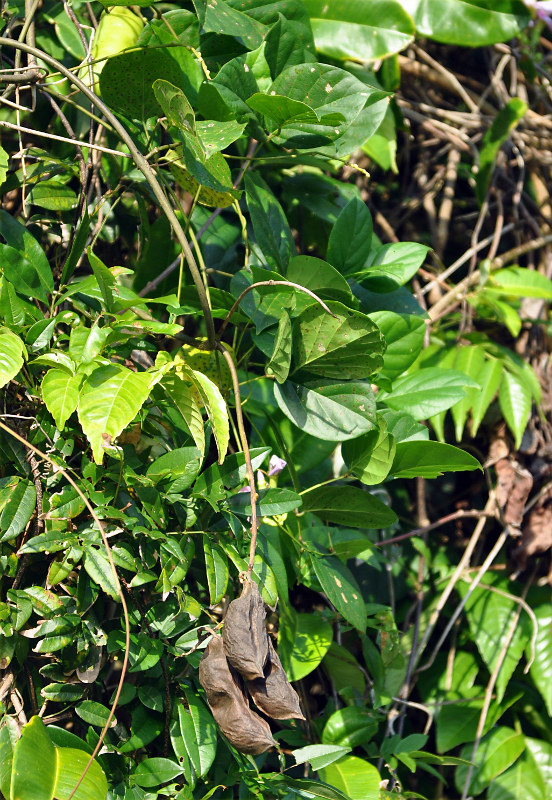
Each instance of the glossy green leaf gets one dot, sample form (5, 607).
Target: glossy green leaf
(60, 392)
(489, 379)
(347, 346)
(308, 788)
(180, 393)
(99, 569)
(217, 411)
(9, 734)
(280, 360)
(154, 771)
(341, 589)
(468, 23)
(523, 779)
(221, 17)
(428, 459)
(470, 360)
(17, 503)
(12, 351)
(350, 726)
(503, 124)
(404, 337)
(350, 238)
(392, 265)
(281, 109)
(53, 196)
(109, 400)
(270, 225)
(34, 767)
(270, 502)
(71, 764)
(262, 573)
(354, 776)
(145, 727)
(520, 282)
(427, 391)
(349, 506)
(216, 564)
(370, 457)
(24, 262)
(199, 733)
(318, 276)
(144, 651)
(179, 466)
(514, 398)
(344, 672)
(496, 752)
(105, 278)
(320, 755)
(542, 662)
(93, 713)
(303, 641)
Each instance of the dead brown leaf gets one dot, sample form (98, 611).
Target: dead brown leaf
(274, 695)
(244, 633)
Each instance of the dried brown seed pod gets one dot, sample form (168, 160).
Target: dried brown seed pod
(244, 633)
(275, 695)
(244, 729)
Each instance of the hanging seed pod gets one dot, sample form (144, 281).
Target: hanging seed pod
(275, 696)
(244, 729)
(244, 633)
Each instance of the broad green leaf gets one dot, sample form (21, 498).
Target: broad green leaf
(154, 771)
(370, 457)
(350, 238)
(262, 573)
(99, 569)
(348, 346)
(199, 733)
(502, 125)
(27, 268)
(4, 160)
(145, 727)
(85, 344)
(514, 398)
(13, 308)
(496, 752)
(93, 713)
(213, 481)
(489, 379)
(207, 178)
(106, 280)
(303, 788)
(34, 768)
(175, 105)
(333, 415)
(320, 755)
(144, 651)
(490, 616)
(65, 504)
(520, 282)
(542, 664)
(341, 589)
(427, 391)
(270, 502)
(303, 641)
(470, 360)
(469, 23)
(270, 226)
(217, 411)
(179, 466)
(318, 276)
(126, 81)
(354, 776)
(220, 17)
(180, 393)
(344, 672)
(343, 542)
(348, 506)
(12, 351)
(280, 360)
(53, 196)
(350, 726)
(9, 734)
(282, 109)
(392, 265)
(542, 755)
(18, 509)
(428, 459)
(403, 427)
(216, 565)
(63, 692)
(71, 764)
(404, 339)
(60, 392)
(523, 779)
(360, 30)
(216, 136)
(109, 400)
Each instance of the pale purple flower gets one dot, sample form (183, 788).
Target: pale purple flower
(543, 9)
(275, 466)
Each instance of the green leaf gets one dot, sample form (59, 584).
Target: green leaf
(350, 238)
(270, 502)
(109, 400)
(180, 393)
(490, 616)
(208, 178)
(216, 136)
(12, 350)
(154, 771)
(350, 726)
(4, 161)
(28, 268)
(199, 733)
(262, 573)
(280, 360)
(354, 776)
(489, 379)
(231, 473)
(175, 105)
(270, 226)
(99, 569)
(348, 506)
(105, 279)
(468, 23)
(60, 392)
(9, 734)
(53, 196)
(220, 17)
(333, 413)
(514, 398)
(428, 459)
(496, 752)
(179, 466)
(392, 265)
(541, 752)
(520, 282)
(308, 788)
(360, 30)
(281, 109)
(93, 713)
(524, 773)
(370, 457)
(320, 755)
(216, 564)
(145, 728)
(427, 391)
(62, 692)
(502, 125)
(303, 641)
(341, 589)
(348, 346)
(34, 768)
(318, 276)
(18, 510)
(469, 360)
(404, 339)
(144, 651)
(71, 764)
(541, 666)
(217, 411)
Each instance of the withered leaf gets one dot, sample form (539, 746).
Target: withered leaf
(244, 729)
(275, 696)
(244, 633)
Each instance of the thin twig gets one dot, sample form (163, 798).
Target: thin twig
(443, 521)
(76, 142)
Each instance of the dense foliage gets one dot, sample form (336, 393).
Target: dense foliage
(196, 310)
